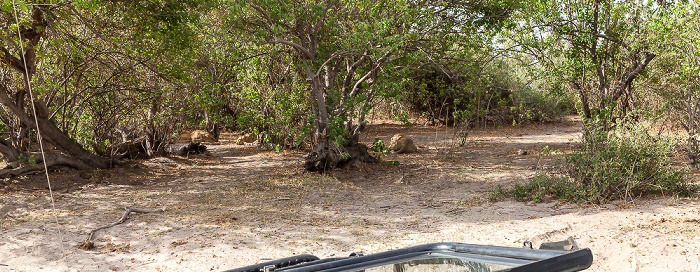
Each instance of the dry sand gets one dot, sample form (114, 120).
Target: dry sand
(240, 206)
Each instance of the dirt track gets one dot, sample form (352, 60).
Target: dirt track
(242, 205)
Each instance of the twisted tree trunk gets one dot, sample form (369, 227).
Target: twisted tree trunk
(65, 151)
(327, 157)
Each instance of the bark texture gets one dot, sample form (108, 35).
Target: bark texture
(64, 151)
(327, 157)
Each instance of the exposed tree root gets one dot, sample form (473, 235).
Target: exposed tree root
(36, 164)
(325, 158)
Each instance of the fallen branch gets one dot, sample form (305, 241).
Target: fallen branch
(88, 244)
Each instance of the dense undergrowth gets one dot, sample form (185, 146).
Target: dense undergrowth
(624, 164)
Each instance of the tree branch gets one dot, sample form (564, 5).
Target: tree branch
(11, 60)
(6, 101)
(297, 46)
(380, 63)
(630, 76)
(123, 219)
(333, 56)
(612, 40)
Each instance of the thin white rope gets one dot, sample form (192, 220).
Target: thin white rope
(38, 132)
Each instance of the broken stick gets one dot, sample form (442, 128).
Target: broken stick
(125, 216)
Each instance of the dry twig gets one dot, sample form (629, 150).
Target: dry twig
(123, 219)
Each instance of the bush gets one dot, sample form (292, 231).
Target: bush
(626, 164)
(533, 106)
(495, 98)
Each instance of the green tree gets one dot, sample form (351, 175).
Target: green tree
(677, 37)
(598, 48)
(86, 62)
(349, 51)
(24, 27)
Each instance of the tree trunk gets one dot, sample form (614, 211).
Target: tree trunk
(326, 157)
(29, 163)
(50, 133)
(692, 110)
(69, 152)
(9, 153)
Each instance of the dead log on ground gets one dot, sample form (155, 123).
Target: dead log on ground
(186, 149)
(134, 149)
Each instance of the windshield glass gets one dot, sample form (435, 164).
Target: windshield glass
(447, 262)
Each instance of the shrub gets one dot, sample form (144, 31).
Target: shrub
(495, 98)
(626, 164)
(533, 106)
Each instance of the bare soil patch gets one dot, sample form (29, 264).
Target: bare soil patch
(241, 205)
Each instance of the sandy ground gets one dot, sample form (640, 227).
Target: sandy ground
(241, 205)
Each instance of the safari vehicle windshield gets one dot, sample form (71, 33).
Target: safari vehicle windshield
(441, 257)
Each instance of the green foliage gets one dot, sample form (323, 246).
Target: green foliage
(379, 148)
(279, 112)
(30, 160)
(392, 163)
(626, 164)
(497, 98)
(349, 53)
(532, 106)
(677, 39)
(540, 189)
(597, 50)
(177, 65)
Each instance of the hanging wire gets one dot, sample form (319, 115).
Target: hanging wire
(38, 131)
